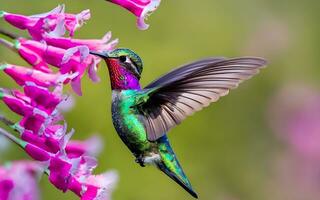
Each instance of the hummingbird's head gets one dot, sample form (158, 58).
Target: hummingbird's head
(122, 57)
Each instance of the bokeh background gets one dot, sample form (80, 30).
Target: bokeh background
(260, 142)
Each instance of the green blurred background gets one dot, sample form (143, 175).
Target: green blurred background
(228, 149)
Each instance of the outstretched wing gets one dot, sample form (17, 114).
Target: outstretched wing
(185, 90)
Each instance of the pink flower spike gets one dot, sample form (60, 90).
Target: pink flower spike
(105, 183)
(60, 173)
(45, 25)
(17, 105)
(19, 21)
(91, 147)
(67, 104)
(140, 8)
(93, 68)
(38, 25)
(69, 53)
(21, 75)
(34, 59)
(91, 61)
(32, 123)
(49, 144)
(76, 86)
(32, 56)
(295, 116)
(56, 132)
(6, 186)
(37, 153)
(70, 62)
(103, 44)
(18, 180)
(36, 100)
(42, 127)
(58, 31)
(35, 24)
(73, 22)
(41, 97)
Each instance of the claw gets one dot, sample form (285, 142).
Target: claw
(140, 161)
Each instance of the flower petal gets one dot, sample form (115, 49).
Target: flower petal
(59, 30)
(92, 70)
(67, 104)
(140, 8)
(83, 50)
(151, 7)
(57, 10)
(76, 86)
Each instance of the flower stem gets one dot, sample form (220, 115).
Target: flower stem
(13, 138)
(8, 44)
(9, 34)
(14, 126)
(8, 135)
(6, 121)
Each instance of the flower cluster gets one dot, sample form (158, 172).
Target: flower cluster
(294, 116)
(42, 129)
(48, 47)
(18, 180)
(140, 8)
(38, 25)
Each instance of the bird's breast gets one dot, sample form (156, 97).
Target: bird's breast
(127, 123)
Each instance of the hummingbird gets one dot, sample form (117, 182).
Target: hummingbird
(143, 116)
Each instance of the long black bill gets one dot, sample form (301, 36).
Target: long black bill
(100, 54)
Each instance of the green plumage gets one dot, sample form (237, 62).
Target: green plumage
(142, 117)
(126, 121)
(132, 132)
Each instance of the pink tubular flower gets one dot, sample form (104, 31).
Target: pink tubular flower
(21, 75)
(82, 47)
(140, 8)
(71, 56)
(18, 180)
(35, 100)
(73, 22)
(67, 104)
(38, 25)
(91, 146)
(36, 105)
(108, 182)
(103, 44)
(32, 57)
(69, 163)
(16, 104)
(42, 129)
(75, 175)
(67, 63)
(295, 116)
(6, 186)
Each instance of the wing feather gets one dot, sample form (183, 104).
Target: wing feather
(190, 88)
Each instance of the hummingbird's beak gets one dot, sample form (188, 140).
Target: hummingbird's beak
(100, 54)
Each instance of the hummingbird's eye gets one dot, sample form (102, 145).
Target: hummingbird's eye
(123, 58)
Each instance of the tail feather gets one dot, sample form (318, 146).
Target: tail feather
(170, 165)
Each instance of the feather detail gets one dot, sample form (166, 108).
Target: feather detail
(190, 88)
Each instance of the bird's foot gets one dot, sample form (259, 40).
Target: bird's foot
(140, 160)
(150, 159)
